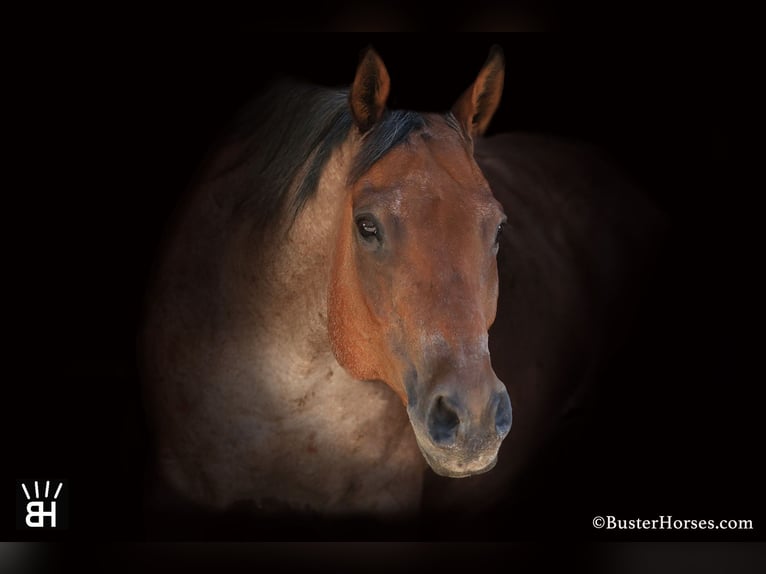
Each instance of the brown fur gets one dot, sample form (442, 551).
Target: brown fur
(276, 363)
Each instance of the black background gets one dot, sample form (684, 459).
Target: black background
(108, 124)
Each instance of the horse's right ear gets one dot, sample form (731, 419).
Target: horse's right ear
(369, 91)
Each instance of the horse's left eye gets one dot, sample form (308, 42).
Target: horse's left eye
(498, 233)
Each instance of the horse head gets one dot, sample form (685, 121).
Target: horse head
(414, 278)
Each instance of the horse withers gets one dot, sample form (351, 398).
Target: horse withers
(317, 332)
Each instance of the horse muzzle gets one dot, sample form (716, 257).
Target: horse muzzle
(459, 430)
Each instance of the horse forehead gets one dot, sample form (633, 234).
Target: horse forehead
(431, 171)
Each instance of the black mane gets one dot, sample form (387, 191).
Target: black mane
(290, 132)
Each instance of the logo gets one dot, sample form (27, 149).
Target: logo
(41, 504)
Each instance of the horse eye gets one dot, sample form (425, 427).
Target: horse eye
(499, 232)
(367, 228)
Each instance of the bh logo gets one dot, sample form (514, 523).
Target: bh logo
(42, 504)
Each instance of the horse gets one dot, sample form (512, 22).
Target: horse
(350, 295)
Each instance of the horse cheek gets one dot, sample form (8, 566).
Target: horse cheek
(349, 340)
(493, 292)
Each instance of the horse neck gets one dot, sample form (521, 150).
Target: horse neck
(281, 282)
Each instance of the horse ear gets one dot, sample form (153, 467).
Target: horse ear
(475, 108)
(369, 91)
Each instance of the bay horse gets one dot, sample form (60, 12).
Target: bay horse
(316, 335)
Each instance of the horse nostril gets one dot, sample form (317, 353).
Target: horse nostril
(443, 423)
(503, 414)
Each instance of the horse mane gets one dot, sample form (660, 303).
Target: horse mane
(284, 139)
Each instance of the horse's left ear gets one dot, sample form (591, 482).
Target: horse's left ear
(369, 91)
(475, 108)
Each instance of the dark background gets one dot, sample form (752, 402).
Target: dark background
(108, 124)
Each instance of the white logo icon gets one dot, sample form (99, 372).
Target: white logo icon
(36, 512)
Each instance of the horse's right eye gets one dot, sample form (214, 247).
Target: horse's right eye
(367, 227)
